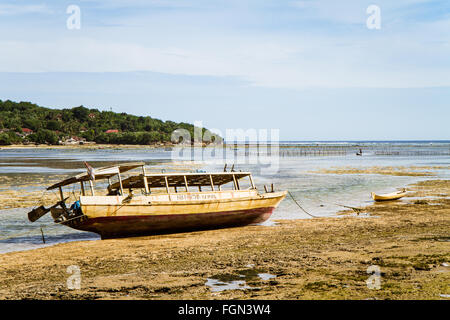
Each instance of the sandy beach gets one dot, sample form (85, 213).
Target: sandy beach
(327, 258)
(92, 146)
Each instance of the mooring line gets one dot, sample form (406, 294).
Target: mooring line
(309, 214)
(357, 210)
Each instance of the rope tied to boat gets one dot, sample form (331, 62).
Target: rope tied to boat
(357, 210)
(309, 214)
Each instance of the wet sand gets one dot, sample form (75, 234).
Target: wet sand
(324, 258)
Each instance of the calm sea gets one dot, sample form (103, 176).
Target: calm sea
(295, 166)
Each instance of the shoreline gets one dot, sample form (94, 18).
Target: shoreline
(87, 146)
(280, 144)
(307, 259)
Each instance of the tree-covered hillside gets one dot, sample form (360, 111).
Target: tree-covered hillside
(25, 122)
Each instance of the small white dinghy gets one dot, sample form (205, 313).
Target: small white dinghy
(389, 196)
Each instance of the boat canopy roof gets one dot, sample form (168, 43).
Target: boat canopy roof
(158, 180)
(100, 173)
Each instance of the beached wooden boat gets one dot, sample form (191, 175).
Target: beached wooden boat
(156, 203)
(389, 196)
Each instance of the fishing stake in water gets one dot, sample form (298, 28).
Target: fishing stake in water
(42, 233)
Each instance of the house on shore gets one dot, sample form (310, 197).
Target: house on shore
(73, 140)
(26, 131)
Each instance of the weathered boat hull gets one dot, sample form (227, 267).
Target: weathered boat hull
(127, 226)
(147, 215)
(388, 197)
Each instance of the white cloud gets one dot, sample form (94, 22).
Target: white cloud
(409, 57)
(15, 9)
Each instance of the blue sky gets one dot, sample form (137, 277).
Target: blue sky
(309, 68)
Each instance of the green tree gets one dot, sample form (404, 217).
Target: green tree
(32, 123)
(81, 113)
(4, 139)
(93, 123)
(89, 135)
(53, 125)
(44, 136)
